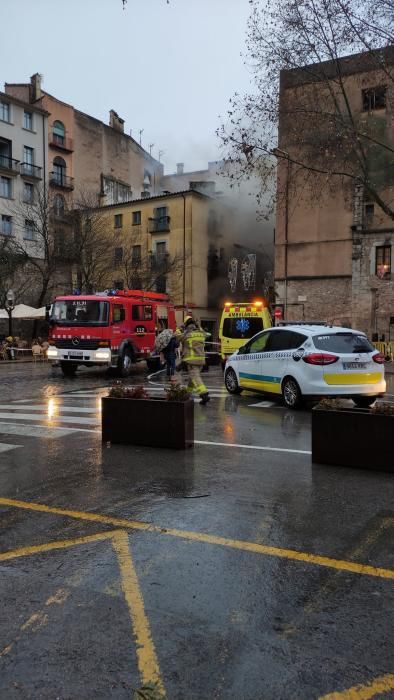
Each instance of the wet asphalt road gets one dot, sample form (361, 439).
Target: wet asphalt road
(227, 571)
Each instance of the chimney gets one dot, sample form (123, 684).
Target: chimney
(180, 168)
(115, 121)
(35, 87)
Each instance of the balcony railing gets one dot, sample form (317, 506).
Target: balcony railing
(9, 164)
(159, 224)
(63, 181)
(64, 143)
(29, 170)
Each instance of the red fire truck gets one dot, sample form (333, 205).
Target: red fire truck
(113, 329)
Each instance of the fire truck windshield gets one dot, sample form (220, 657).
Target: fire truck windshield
(80, 312)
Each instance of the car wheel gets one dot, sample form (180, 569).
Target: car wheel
(291, 393)
(364, 401)
(125, 363)
(231, 382)
(68, 368)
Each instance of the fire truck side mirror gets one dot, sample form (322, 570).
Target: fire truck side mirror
(47, 312)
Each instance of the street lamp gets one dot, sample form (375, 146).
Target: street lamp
(10, 306)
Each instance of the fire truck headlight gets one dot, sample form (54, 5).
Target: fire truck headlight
(51, 353)
(104, 354)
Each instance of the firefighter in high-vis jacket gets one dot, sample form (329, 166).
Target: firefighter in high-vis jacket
(193, 355)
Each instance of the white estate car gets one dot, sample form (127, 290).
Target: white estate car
(308, 361)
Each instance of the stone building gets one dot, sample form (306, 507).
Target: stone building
(334, 245)
(88, 157)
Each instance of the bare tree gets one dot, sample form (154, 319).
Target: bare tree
(38, 244)
(328, 138)
(149, 271)
(92, 244)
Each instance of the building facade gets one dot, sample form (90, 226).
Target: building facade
(162, 243)
(23, 166)
(87, 158)
(334, 246)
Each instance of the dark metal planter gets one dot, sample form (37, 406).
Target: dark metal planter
(353, 438)
(149, 422)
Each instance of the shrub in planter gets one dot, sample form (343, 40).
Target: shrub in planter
(131, 416)
(353, 437)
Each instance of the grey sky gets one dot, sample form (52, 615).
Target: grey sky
(166, 68)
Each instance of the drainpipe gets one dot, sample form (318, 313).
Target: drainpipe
(184, 254)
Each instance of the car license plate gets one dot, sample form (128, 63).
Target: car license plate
(354, 365)
(75, 353)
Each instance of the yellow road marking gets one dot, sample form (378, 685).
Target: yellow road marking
(48, 546)
(294, 555)
(383, 684)
(147, 658)
(148, 664)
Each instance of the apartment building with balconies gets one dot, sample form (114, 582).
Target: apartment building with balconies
(88, 159)
(23, 164)
(164, 244)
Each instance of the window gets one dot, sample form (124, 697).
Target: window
(285, 340)
(142, 312)
(28, 160)
(124, 193)
(5, 187)
(369, 212)
(118, 255)
(161, 284)
(4, 111)
(59, 132)
(60, 244)
(118, 314)
(115, 191)
(233, 329)
(161, 252)
(342, 342)
(30, 230)
(6, 225)
(59, 205)
(136, 254)
(28, 193)
(383, 261)
(5, 153)
(160, 212)
(374, 98)
(136, 218)
(80, 312)
(28, 120)
(259, 344)
(59, 170)
(118, 220)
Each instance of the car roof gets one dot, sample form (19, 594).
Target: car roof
(316, 329)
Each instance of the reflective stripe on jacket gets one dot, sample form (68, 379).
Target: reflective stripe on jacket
(193, 341)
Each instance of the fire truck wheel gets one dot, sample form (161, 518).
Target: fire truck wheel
(125, 363)
(68, 368)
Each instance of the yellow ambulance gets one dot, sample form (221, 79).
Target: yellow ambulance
(241, 321)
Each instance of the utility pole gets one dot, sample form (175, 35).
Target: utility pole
(150, 148)
(141, 131)
(161, 153)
